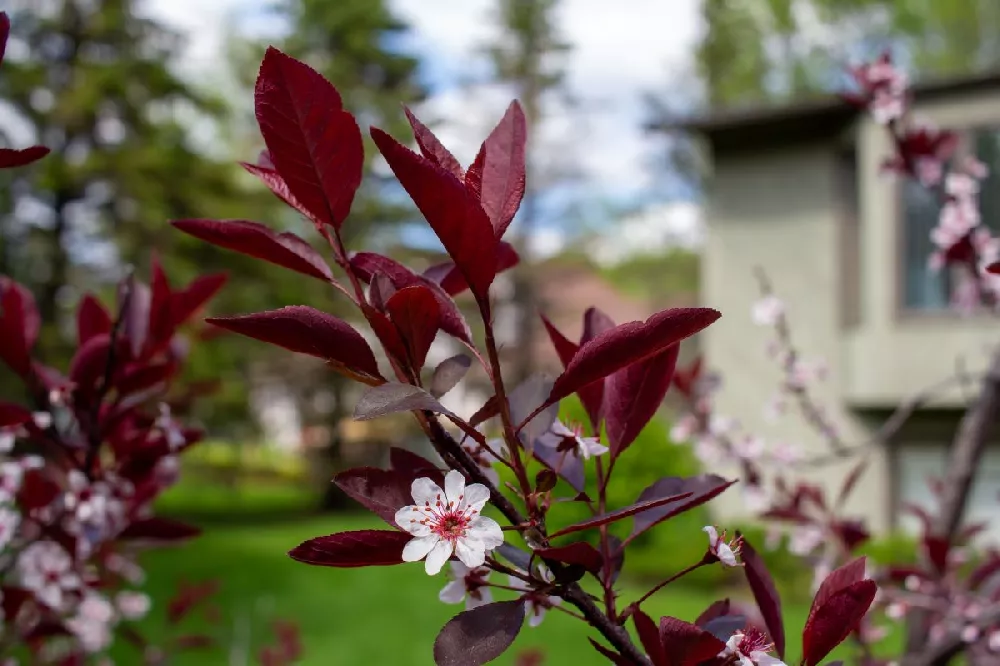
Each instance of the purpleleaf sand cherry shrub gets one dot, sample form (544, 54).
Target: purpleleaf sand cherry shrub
(499, 549)
(950, 600)
(81, 464)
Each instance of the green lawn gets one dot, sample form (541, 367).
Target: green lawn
(371, 616)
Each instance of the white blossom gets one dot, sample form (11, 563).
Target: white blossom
(583, 446)
(446, 522)
(132, 605)
(726, 552)
(46, 569)
(468, 585)
(768, 310)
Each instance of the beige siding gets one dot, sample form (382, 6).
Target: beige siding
(895, 353)
(779, 211)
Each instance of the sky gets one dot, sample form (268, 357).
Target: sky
(620, 51)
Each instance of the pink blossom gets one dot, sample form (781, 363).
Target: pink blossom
(683, 428)
(92, 622)
(11, 476)
(537, 603)
(786, 453)
(804, 540)
(132, 605)
(768, 310)
(483, 458)
(467, 585)
(929, 170)
(446, 522)
(751, 648)
(10, 519)
(755, 498)
(717, 546)
(46, 569)
(583, 447)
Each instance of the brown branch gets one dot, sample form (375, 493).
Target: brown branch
(966, 452)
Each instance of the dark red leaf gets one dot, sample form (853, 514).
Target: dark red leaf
(91, 319)
(985, 571)
(565, 348)
(160, 322)
(394, 397)
(629, 343)
(159, 529)
(255, 240)
(936, 550)
(686, 644)
(279, 188)
(453, 282)
(633, 395)
(13, 415)
(415, 313)
(387, 334)
(649, 636)
(838, 579)
(450, 209)
(37, 491)
(382, 492)
(581, 553)
(10, 158)
(613, 657)
(368, 264)
(829, 624)
(448, 374)
(851, 480)
(19, 326)
(489, 409)
(412, 465)
(480, 635)
(4, 34)
(765, 594)
(135, 302)
(188, 597)
(89, 362)
(717, 609)
(700, 489)
(144, 377)
(363, 548)
(498, 174)
(308, 331)
(994, 268)
(432, 148)
(613, 516)
(186, 302)
(595, 322)
(315, 145)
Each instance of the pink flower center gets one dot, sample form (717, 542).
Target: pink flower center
(451, 525)
(754, 641)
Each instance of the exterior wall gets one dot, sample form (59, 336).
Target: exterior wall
(779, 211)
(893, 353)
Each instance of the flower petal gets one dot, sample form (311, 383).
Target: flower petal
(764, 659)
(726, 555)
(409, 518)
(476, 496)
(425, 491)
(537, 615)
(482, 597)
(417, 548)
(487, 531)
(437, 557)
(471, 552)
(453, 592)
(559, 428)
(713, 536)
(454, 487)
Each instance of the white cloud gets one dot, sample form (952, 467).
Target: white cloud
(619, 52)
(652, 229)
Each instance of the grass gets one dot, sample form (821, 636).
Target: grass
(378, 615)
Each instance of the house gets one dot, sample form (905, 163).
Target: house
(799, 191)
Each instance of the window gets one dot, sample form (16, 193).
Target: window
(924, 289)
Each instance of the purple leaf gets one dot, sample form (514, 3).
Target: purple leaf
(699, 490)
(4, 33)
(717, 609)
(837, 580)
(382, 492)
(308, 331)
(363, 548)
(595, 322)
(315, 145)
(12, 415)
(524, 400)
(448, 374)
(591, 396)
(497, 175)
(184, 303)
(480, 635)
(19, 325)
(612, 656)
(649, 636)
(158, 529)
(279, 188)
(394, 397)
(634, 394)
(450, 209)
(451, 280)
(765, 594)
(613, 516)
(91, 319)
(255, 240)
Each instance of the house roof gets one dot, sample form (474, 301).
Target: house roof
(751, 127)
